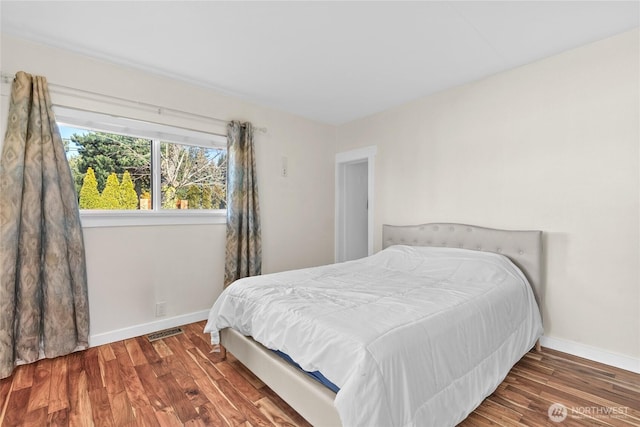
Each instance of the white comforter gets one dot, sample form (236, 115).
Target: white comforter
(413, 336)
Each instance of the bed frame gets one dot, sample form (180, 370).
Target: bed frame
(314, 401)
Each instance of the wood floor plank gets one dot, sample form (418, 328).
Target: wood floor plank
(284, 407)
(195, 423)
(91, 365)
(599, 398)
(112, 377)
(248, 375)
(202, 342)
(239, 382)
(538, 414)
(5, 389)
(161, 348)
(101, 408)
(149, 352)
(58, 386)
(179, 346)
(254, 416)
(179, 401)
(135, 352)
(156, 393)
(205, 363)
(35, 418)
(121, 353)
(274, 413)
(509, 399)
(587, 388)
(106, 352)
(23, 376)
(80, 405)
(210, 416)
(145, 417)
(133, 386)
(15, 412)
(58, 419)
(477, 420)
(185, 377)
(121, 409)
(498, 413)
(168, 418)
(163, 365)
(176, 381)
(230, 413)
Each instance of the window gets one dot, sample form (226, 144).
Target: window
(192, 177)
(129, 172)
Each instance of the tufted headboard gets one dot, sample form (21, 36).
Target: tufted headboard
(524, 248)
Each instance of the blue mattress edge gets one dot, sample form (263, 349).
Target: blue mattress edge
(316, 375)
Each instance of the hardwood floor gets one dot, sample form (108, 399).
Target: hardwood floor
(177, 381)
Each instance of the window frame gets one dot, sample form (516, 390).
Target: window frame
(157, 133)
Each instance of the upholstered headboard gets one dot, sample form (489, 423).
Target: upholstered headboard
(524, 248)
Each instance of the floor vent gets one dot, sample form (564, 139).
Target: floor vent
(164, 334)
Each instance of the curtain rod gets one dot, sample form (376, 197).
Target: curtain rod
(8, 78)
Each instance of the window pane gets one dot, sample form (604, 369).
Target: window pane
(110, 171)
(193, 177)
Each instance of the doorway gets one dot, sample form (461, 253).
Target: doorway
(354, 204)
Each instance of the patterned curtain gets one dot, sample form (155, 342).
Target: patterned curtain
(44, 309)
(243, 255)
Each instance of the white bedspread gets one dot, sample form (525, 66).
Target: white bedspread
(413, 336)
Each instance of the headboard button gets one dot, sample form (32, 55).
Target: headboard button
(451, 228)
(499, 250)
(520, 252)
(435, 227)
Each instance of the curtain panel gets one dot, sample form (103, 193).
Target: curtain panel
(44, 309)
(243, 255)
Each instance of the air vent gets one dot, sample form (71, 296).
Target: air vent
(164, 334)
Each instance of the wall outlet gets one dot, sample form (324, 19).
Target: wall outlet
(161, 309)
(284, 167)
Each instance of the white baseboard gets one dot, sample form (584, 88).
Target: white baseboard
(146, 328)
(597, 355)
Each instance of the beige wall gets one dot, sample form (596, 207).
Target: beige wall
(552, 145)
(130, 268)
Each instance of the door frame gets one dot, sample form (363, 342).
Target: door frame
(343, 159)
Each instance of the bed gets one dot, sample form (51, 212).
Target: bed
(431, 368)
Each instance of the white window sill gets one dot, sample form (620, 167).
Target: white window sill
(103, 218)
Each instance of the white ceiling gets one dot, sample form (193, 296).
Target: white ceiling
(329, 61)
